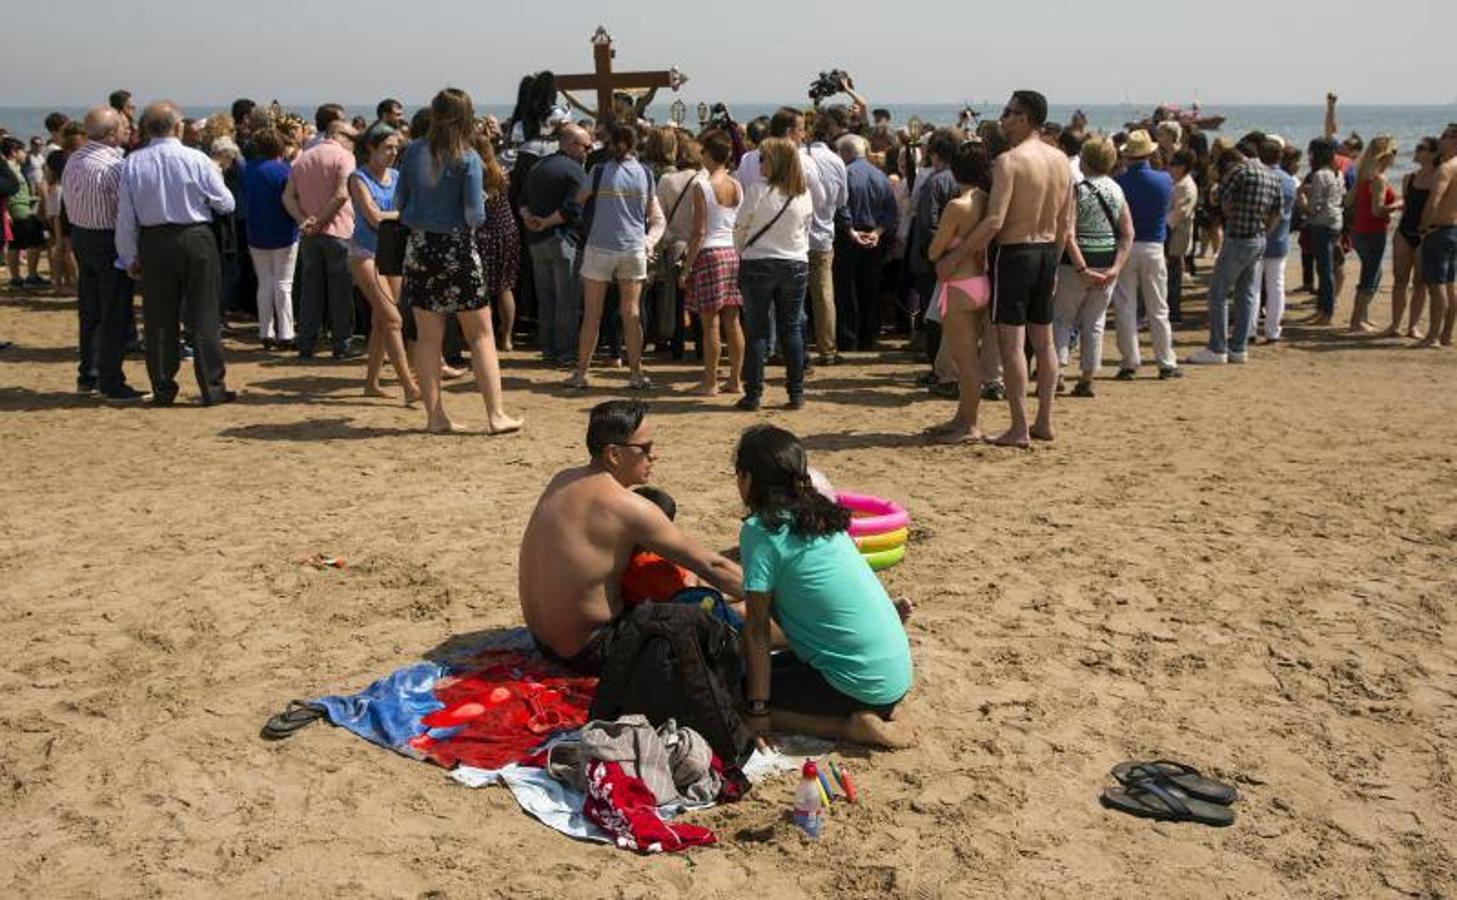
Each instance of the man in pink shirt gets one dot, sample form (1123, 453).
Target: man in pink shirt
(318, 197)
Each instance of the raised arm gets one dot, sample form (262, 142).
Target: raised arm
(1330, 116)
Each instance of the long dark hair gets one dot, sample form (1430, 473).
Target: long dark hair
(780, 490)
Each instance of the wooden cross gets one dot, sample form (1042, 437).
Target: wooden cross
(604, 81)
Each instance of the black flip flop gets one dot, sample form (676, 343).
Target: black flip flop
(1155, 798)
(295, 716)
(1184, 777)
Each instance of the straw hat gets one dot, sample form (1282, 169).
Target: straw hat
(1138, 145)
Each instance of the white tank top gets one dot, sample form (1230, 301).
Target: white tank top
(721, 219)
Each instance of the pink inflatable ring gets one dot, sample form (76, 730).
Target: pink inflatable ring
(873, 515)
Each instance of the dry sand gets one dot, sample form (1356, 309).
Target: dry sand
(1251, 569)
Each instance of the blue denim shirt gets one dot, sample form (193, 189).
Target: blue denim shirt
(451, 200)
(1277, 244)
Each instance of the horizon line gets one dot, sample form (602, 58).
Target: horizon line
(874, 103)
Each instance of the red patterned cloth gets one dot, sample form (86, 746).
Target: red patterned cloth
(496, 714)
(713, 282)
(623, 806)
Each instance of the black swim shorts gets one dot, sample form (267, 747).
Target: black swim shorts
(591, 658)
(1439, 256)
(1023, 278)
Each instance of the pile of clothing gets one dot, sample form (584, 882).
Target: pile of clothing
(627, 770)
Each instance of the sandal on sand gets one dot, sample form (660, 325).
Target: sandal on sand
(1184, 777)
(1152, 797)
(295, 716)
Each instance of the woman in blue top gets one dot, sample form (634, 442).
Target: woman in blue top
(626, 223)
(441, 200)
(372, 191)
(272, 238)
(849, 663)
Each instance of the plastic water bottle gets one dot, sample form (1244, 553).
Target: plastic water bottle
(809, 811)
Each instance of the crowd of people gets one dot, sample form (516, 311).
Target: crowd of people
(790, 240)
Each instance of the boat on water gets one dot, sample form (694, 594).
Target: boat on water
(1172, 112)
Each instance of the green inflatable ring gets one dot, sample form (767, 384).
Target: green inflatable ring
(884, 559)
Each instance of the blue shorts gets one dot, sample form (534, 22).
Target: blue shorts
(1439, 255)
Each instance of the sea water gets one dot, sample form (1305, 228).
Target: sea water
(1295, 123)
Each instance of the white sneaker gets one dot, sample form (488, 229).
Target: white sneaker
(1237, 359)
(1207, 357)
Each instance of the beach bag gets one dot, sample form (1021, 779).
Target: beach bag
(676, 661)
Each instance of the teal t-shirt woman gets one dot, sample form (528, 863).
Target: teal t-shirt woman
(848, 664)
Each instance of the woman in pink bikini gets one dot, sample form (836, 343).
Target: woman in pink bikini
(963, 290)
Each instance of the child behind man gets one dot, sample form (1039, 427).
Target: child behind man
(648, 576)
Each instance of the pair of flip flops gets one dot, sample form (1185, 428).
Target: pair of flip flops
(298, 714)
(1170, 791)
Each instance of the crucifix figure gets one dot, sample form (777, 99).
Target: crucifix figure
(638, 88)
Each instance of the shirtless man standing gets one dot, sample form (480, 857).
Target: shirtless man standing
(1027, 214)
(1439, 243)
(584, 529)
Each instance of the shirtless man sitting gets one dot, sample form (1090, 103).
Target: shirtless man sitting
(583, 532)
(1439, 243)
(1027, 215)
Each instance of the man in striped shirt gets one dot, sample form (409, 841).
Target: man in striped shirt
(89, 183)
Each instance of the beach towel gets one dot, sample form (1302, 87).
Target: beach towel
(490, 714)
(490, 708)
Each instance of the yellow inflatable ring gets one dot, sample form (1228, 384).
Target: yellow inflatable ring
(874, 543)
(884, 559)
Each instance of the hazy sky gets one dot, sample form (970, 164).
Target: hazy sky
(1229, 51)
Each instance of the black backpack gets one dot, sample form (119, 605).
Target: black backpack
(675, 661)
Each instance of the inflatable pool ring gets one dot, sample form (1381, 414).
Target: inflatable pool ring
(875, 543)
(877, 515)
(884, 559)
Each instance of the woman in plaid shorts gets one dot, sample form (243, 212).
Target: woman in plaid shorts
(711, 264)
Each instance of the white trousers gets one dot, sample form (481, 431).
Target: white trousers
(275, 291)
(1146, 273)
(1272, 270)
(1084, 307)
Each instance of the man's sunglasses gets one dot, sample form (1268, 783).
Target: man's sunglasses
(646, 447)
(1009, 111)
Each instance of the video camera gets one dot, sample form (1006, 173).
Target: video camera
(828, 84)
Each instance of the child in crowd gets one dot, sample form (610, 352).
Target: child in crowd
(648, 576)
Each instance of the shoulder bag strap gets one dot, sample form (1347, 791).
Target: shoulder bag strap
(760, 233)
(1107, 210)
(682, 195)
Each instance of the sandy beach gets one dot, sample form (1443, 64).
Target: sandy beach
(1251, 570)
